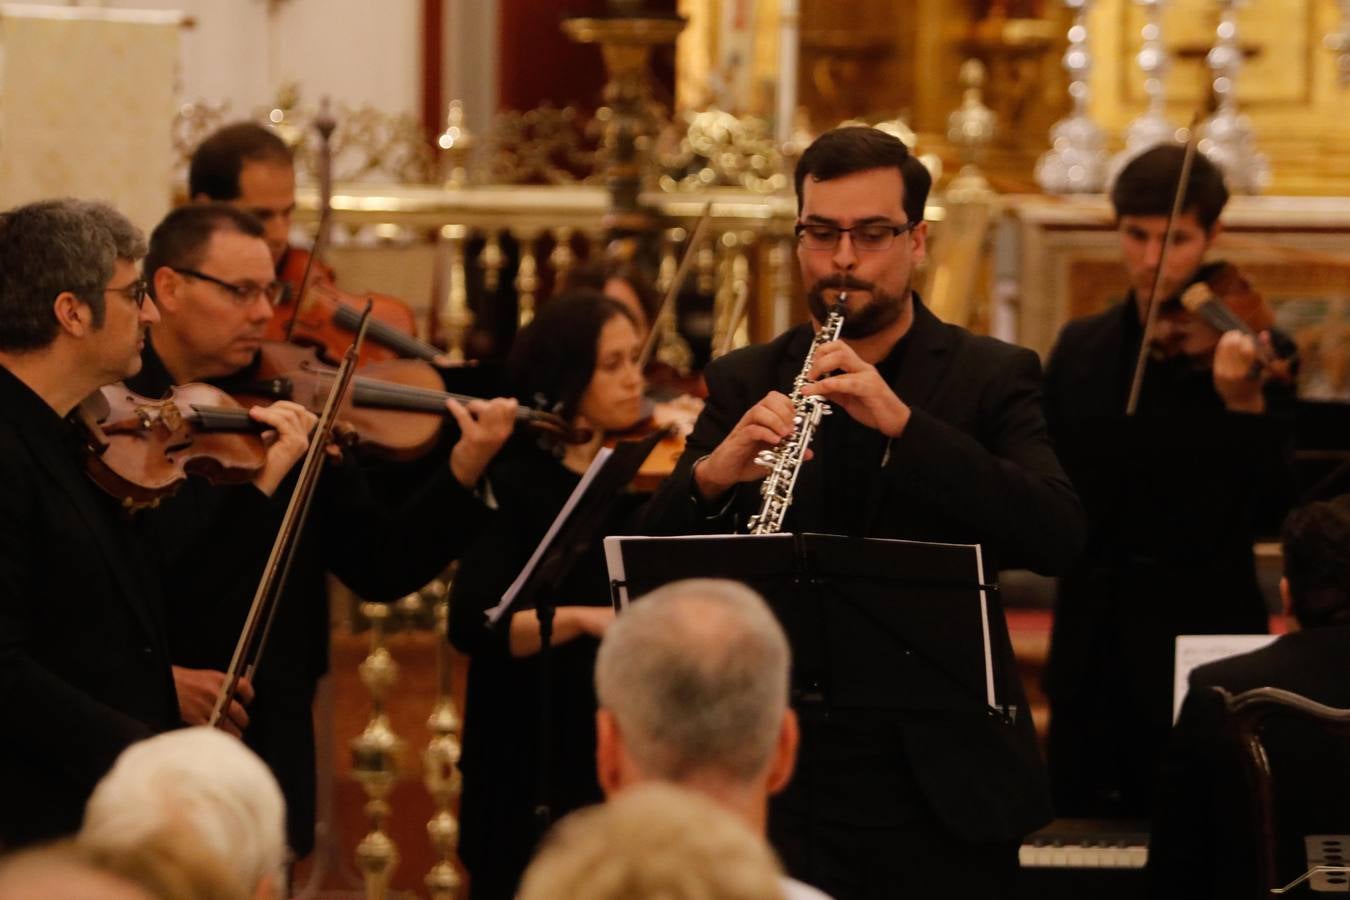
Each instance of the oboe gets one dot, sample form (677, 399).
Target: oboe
(784, 459)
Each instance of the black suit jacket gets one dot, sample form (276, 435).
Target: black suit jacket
(1202, 843)
(974, 465)
(216, 539)
(1175, 496)
(84, 661)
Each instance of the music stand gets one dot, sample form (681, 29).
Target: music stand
(576, 527)
(873, 623)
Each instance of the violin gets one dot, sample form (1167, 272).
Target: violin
(396, 408)
(142, 450)
(1226, 301)
(325, 317)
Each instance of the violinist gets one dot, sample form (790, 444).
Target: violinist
(248, 166)
(1175, 493)
(84, 660)
(581, 352)
(213, 283)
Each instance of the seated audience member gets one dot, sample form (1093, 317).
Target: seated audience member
(655, 841)
(62, 871)
(1203, 840)
(692, 681)
(173, 864)
(201, 782)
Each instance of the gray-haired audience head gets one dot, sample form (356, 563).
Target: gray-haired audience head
(53, 246)
(200, 781)
(695, 675)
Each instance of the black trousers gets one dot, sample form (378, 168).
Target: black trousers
(855, 823)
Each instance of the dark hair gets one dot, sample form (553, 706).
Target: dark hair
(217, 161)
(859, 148)
(53, 246)
(1317, 562)
(594, 274)
(180, 240)
(553, 357)
(1146, 185)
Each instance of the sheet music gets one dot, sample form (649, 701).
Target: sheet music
(1194, 650)
(577, 493)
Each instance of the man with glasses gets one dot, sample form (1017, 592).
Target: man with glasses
(937, 435)
(1176, 494)
(84, 660)
(213, 283)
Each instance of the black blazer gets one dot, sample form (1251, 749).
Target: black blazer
(217, 539)
(84, 662)
(974, 465)
(1202, 843)
(1174, 495)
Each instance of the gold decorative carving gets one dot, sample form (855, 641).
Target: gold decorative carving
(456, 319)
(375, 759)
(712, 148)
(456, 144)
(440, 766)
(546, 145)
(527, 279)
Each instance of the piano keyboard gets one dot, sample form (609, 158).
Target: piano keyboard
(1084, 844)
(1073, 859)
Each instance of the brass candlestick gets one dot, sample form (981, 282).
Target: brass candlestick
(631, 118)
(440, 769)
(375, 759)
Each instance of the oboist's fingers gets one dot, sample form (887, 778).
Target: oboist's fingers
(836, 355)
(773, 414)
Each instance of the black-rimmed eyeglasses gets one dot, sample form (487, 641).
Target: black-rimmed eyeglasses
(242, 294)
(136, 292)
(867, 236)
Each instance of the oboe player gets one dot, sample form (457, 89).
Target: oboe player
(937, 435)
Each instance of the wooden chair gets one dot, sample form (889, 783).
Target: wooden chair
(1248, 714)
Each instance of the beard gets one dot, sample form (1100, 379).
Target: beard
(882, 312)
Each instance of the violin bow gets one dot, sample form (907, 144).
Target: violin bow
(266, 599)
(324, 123)
(676, 283)
(1154, 301)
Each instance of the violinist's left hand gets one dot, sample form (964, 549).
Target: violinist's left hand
(859, 389)
(484, 425)
(1238, 374)
(291, 424)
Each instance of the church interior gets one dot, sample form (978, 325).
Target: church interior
(465, 156)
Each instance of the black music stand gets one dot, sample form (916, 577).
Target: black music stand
(873, 623)
(576, 528)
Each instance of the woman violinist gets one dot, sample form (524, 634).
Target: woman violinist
(580, 353)
(1175, 493)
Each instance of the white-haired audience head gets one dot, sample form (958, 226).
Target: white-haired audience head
(653, 841)
(200, 782)
(692, 681)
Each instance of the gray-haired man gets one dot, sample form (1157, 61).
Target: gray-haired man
(692, 682)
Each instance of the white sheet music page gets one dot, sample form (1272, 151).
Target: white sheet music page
(1194, 650)
(494, 614)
